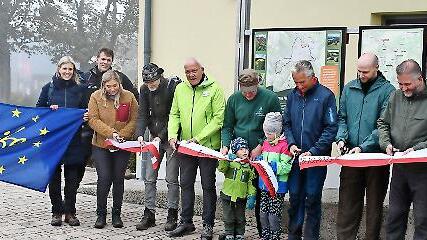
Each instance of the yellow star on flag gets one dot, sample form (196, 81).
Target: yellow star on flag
(2, 169)
(22, 160)
(36, 118)
(15, 113)
(43, 131)
(37, 144)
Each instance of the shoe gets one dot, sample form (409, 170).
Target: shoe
(147, 221)
(71, 219)
(56, 219)
(229, 237)
(239, 237)
(207, 232)
(171, 219)
(182, 229)
(101, 220)
(116, 220)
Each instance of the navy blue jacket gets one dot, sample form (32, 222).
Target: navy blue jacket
(310, 121)
(70, 95)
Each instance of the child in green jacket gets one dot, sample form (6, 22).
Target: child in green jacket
(237, 190)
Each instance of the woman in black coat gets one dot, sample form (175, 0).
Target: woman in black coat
(65, 90)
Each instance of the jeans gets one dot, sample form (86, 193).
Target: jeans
(408, 185)
(110, 168)
(172, 172)
(353, 183)
(188, 169)
(233, 215)
(72, 182)
(305, 192)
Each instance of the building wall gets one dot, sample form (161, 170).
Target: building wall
(193, 28)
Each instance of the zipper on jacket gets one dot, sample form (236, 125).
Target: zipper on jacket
(360, 119)
(302, 121)
(191, 118)
(65, 97)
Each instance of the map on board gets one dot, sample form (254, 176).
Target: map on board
(393, 46)
(285, 48)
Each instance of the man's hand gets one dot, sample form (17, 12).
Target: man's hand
(408, 151)
(256, 152)
(157, 139)
(117, 137)
(224, 150)
(141, 141)
(308, 153)
(390, 150)
(294, 150)
(355, 150)
(54, 107)
(172, 143)
(342, 147)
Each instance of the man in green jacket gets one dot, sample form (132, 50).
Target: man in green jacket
(198, 113)
(403, 127)
(362, 102)
(244, 115)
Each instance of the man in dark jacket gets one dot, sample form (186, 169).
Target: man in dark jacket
(362, 102)
(403, 127)
(156, 95)
(92, 82)
(310, 123)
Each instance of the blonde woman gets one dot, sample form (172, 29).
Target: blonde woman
(112, 114)
(64, 90)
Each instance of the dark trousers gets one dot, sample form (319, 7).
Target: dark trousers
(188, 169)
(72, 182)
(305, 192)
(110, 168)
(408, 185)
(271, 215)
(233, 216)
(353, 183)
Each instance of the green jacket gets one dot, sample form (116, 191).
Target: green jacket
(358, 113)
(244, 118)
(238, 182)
(198, 113)
(404, 122)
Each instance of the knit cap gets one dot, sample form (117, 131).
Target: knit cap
(237, 144)
(273, 123)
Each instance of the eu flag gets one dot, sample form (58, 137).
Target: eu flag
(33, 141)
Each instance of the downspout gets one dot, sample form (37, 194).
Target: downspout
(147, 31)
(242, 37)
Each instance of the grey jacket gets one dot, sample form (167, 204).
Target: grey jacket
(404, 122)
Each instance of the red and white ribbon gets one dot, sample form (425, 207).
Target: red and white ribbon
(364, 159)
(135, 146)
(262, 167)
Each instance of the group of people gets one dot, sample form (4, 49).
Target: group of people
(249, 126)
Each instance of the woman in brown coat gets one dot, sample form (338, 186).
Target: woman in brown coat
(112, 114)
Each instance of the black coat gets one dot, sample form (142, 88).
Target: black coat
(154, 108)
(70, 95)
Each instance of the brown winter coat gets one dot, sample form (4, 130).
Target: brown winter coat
(103, 117)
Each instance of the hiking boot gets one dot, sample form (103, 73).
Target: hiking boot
(239, 237)
(182, 229)
(71, 219)
(171, 219)
(147, 221)
(207, 232)
(101, 221)
(56, 219)
(116, 220)
(229, 237)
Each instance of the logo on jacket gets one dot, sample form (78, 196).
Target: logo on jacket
(260, 112)
(205, 93)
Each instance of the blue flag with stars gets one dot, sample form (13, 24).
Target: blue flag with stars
(33, 141)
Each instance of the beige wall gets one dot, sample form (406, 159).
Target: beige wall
(199, 28)
(279, 13)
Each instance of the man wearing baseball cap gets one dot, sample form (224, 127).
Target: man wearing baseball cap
(156, 95)
(244, 115)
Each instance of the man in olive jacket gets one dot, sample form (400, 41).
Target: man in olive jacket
(362, 102)
(198, 110)
(403, 128)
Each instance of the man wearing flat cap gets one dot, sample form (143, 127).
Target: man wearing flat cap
(156, 95)
(244, 115)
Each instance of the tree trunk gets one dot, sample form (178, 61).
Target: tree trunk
(5, 86)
